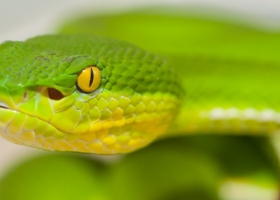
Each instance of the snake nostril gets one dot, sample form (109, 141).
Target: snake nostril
(55, 94)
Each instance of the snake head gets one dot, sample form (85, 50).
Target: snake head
(47, 102)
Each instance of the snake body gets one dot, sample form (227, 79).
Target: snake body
(203, 77)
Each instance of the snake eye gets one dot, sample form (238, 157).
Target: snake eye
(89, 79)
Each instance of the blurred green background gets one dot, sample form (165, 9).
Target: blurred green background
(204, 167)
(194, 167)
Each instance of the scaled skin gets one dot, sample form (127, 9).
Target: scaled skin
(229, 70)
(227, 82)
(42, 107)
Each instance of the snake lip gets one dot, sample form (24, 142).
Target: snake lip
(3, 107)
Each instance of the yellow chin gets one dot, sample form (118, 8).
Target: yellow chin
(24, 129)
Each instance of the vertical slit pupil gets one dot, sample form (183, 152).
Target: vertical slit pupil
(91, 77)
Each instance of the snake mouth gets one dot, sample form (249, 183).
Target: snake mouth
(3, 107)
(51, 93)
(44, 95)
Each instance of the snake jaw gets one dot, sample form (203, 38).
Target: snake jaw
(104, 123)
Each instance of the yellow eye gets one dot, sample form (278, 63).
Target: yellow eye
(89, 79)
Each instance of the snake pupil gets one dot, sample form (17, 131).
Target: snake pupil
(91, 77)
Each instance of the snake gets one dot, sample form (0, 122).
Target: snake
(114, 83)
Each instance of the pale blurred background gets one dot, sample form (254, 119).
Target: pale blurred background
(22, 19)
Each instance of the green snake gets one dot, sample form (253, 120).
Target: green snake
(113, 84)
